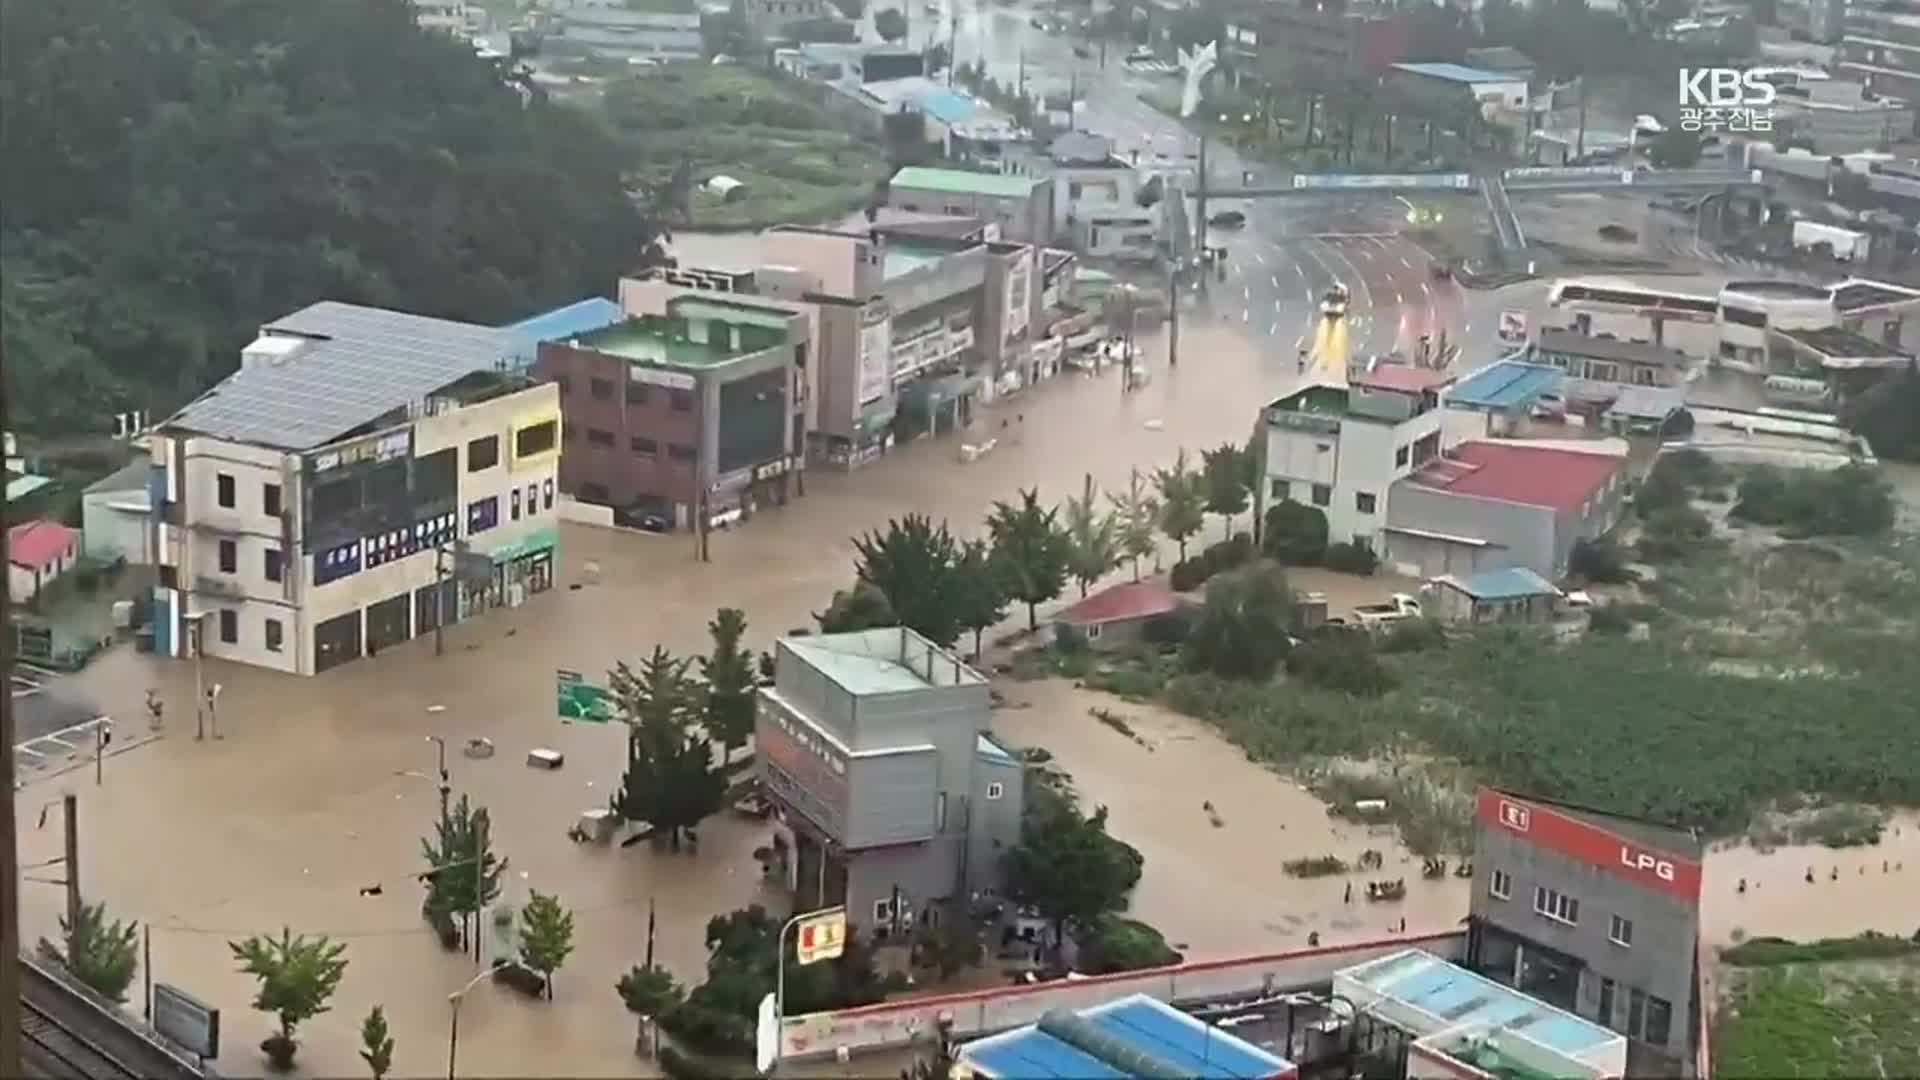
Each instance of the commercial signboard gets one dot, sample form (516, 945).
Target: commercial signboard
(1565, 172)
(1379, 181)
(186, 1020)
(1513, 326)
(1677, 875)
(821, 936)
(661, 377)
(801, 769)
(395, 444)
(876, 353)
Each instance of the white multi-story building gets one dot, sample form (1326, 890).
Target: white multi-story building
(315, 506)
(1341, 447)
(446, 16)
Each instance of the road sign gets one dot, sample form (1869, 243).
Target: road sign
(766, 1042)
(1381, 181)
(578, 699)
(1513, 326)
(186, 1020)
(822, 936)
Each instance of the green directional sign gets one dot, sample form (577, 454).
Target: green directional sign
(578, 699)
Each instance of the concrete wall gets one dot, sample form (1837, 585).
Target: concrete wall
(1517, 534)
(984, 1012)
(117, 525)
(1659, 962)
(254, 600)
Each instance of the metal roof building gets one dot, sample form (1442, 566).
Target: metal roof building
(1457, 1016)
(324, 371)
(1504, 386)
(579, 317)
(1136, 1036)
(1456, 73)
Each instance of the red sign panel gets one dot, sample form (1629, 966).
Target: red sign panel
(1676, 875)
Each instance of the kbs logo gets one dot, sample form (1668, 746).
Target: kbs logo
(1715, 98)
(1514, 816)
(1722, 88)
(1645, 863)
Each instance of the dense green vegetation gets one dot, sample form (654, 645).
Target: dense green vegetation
(1799, 1016)
(683, 124)
(1773, 952)
(176, 172)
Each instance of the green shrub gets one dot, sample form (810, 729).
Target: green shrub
(1352, 557)
(1188, 574)
(1608, 619)
(1319, 866)
(1296, 534)
(1848, 501)
(1413, 635)
(1599, 560)
(1341, 660)
(1674, 532)
(1771, 951)
(1069, 639)
(1118, 944)
(680, 1066)
(1227, 554)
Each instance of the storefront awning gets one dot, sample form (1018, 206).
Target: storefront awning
(531, 544)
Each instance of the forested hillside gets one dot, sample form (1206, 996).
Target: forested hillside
(173, 173)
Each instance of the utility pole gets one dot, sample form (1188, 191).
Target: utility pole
(1200, 209)
(440, 614)
(9, 838)
(1580, 140)
(70, 805)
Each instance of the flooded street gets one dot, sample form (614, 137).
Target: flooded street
(300, 815)
(1220, 891)
(1875, 889)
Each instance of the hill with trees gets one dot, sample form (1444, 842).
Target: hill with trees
(176, 172)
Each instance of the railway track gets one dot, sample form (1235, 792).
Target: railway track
(66, 1036)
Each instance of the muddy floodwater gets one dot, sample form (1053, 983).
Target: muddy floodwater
(308, 813)
(1853, 889)
(1155, 788)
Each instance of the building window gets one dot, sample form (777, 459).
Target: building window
(1659, 1021)
(1636, 1012)
(1280, 490)
(514, 498)
(1322, 495)
(223, 489)
(940, 812)
(1605, 1013)
(230, 626)
(483, 453)
(882, 912)
(637, 393)
(1364, 502)
(1400, 458)
(1621, 932)
(643, 445)
(483, 514)
(1093, 631)
(275, 635)
(229, 557)
(996, 790)
(682, 400)
(679, 452)
(546, 494)
(597, 437)
(1500, 885)
(600, 389)
(270, 499)
(533, 499)
(1556, 905)
(536, 439)
(272, 564)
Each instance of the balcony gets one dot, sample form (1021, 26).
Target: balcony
(225, 588)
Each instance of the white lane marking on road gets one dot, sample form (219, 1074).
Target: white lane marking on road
(1276, 280)
(1259, 258)
(1405, 263)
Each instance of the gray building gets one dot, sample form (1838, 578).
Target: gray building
(1116, 617)
(1595, 913)
(1513, 595)
(876, 748)
(1492, 505)
(116, 514)
(1599, 366)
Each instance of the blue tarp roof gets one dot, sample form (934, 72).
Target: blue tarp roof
(580, 317)
(1145, 1023)
(947, 106)
(1507, 384)
(1508, 584)
(1459, 73)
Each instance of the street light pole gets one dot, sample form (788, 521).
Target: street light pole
(196, 627)
(446, 778)
(439, 609)
(453, 1026)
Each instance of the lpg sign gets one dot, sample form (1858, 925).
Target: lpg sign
(1642, 862)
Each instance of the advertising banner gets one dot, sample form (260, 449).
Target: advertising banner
(876, 353)
(1379, 181)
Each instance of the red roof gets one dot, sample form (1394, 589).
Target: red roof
(1129, 600)
(1515, 472)
(1405, 378)
(37, 545)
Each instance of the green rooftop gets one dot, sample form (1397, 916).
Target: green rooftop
(962, 182)
(690, 341)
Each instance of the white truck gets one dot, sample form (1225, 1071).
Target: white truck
(1847, 245)
(1399, 606)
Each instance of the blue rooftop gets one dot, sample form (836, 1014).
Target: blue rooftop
(1140, 1024)
(1508, 584)
(1448, 997)
(1505, 384)
(947, 106)
(1456, 73)
(580, 317)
